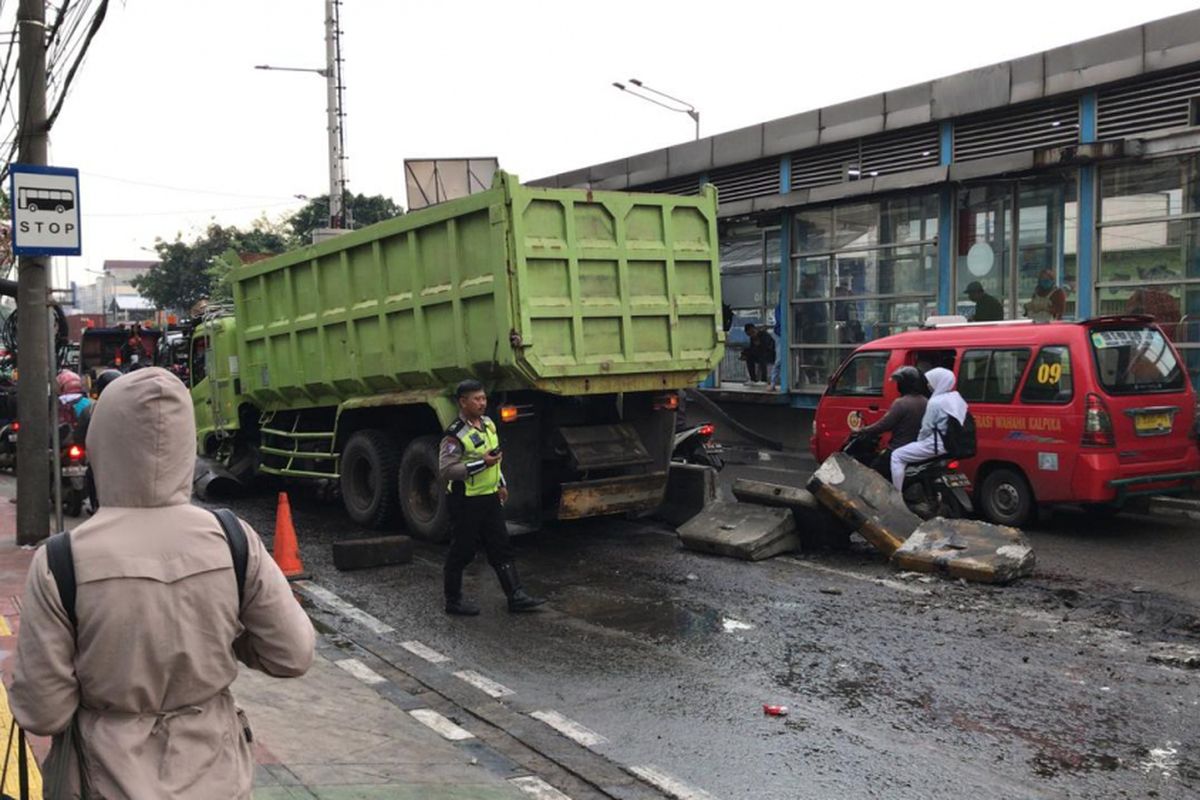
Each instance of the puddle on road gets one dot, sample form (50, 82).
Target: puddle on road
(657, 618)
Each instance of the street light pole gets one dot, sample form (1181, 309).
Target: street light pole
(332, 73)
(673, 104)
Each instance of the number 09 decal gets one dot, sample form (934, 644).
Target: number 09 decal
(1049, 373)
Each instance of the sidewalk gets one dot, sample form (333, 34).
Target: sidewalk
(331, 735)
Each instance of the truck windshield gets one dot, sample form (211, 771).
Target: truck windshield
(1135, 359)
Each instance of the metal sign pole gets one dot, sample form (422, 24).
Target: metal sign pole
(55, 438)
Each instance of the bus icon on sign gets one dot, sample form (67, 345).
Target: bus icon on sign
(33, 199)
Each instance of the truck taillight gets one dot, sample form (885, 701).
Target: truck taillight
(75, 453)
(666, 402)
(1097, 424)
(509, 413)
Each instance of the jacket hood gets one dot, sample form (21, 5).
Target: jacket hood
(141, 441)
(941, 380)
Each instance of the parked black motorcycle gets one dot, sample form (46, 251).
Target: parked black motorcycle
(932, 488)
(694, 445)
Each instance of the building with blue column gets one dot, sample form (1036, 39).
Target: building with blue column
(1066, 184)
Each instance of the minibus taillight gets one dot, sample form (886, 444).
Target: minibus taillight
(1097, 424)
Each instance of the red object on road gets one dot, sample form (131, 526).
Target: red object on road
(774, 711)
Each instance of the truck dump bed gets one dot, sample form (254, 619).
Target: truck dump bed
(563, 290)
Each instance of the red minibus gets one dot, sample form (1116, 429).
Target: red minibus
(1092, 412)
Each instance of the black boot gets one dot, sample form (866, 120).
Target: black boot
(518, 600)
(452, 586)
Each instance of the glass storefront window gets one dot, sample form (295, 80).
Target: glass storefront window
(750, 259)
(1149, 260)
(860, 271)
(1025, 260)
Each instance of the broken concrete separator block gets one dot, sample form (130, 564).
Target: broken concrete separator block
(743, 531)
(861, 498)
(816, 526)
(964, 548)
(690, 487)
(377, 551)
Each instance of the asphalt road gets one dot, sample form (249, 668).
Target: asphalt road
(896, 688)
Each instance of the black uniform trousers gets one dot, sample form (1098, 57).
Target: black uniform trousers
(474, 521)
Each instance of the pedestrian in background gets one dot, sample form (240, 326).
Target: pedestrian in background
(135, 688)
(987, 307)
(469, 462)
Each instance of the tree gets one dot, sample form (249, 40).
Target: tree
(360, 208)
(188, 272)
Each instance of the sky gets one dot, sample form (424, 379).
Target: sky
(172, 127)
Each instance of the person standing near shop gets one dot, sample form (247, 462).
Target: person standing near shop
(987, 307)
(469, 462)
(1048, 302)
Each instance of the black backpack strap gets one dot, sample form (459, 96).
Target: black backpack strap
(239, 548)
(62, 567)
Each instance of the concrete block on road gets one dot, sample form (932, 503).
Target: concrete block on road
(690, 488)
(377, 551)
(867, 503)
(816, 526)
(740, 530)
(965, 548)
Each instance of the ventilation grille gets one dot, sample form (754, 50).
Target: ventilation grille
(897, 151)
(1150, 104)
(757, 179)
(688, 184)
(1017, 129)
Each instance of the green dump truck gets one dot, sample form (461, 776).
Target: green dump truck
(582, 312)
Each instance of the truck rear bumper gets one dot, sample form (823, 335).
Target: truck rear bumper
(612, 495)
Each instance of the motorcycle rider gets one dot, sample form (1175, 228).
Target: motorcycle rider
(945, 402)
(70, 394)
(81, 429)
(903, 418)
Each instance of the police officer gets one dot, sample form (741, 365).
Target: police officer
(469, 462)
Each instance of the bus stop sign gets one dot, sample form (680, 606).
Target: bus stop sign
(45, 210)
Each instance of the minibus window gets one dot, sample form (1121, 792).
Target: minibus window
(1133, 360)
(1049, 380)
(991, 376)
(926, 360)
(864, 376)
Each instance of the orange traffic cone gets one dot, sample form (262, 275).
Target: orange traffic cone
(287, 551)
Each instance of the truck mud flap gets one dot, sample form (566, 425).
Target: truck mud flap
(865, 501)
(612, 495)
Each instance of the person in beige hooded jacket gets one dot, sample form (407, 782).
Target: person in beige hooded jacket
(159, 635)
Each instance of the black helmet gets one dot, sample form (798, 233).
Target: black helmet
(909, 380)
(104, 379)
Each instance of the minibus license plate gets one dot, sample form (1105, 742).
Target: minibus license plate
(1151, 424)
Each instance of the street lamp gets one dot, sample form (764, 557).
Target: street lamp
(673, 104)
(332, 73)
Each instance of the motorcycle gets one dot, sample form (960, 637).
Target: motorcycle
(74, 485)
(932, 488)
(694, 445)
(8, 445)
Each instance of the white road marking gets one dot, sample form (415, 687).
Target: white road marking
(570, 728)
(424, 651)
(857, 576)
(337, 604)
(361, 671)
(537, 788)
(484, 684)
(730, 624)
(443, 726)
(669, 783)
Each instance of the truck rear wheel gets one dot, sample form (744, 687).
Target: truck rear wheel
(422, 494)
(368, 478)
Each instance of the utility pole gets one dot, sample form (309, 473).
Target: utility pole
(33, 325)
(333, 89)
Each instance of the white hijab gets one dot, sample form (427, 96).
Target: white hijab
(941, 381)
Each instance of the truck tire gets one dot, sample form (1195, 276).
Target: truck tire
(422, 495)
(1005, 497)
(368, 478)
